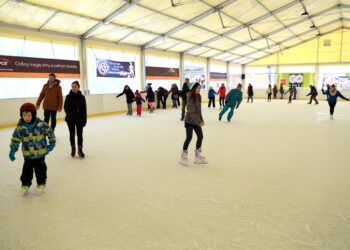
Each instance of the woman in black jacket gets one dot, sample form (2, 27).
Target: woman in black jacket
(129, 98)
(175, 95)
(76, 117)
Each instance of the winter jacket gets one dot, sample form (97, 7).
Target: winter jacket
(52, 96)
(185, 90)
(250, 90)
(313, 92)
(150, 94)
(269, 90)
(129, 95)
(139, 99)
(222, 92)
(162, 92)
(281, 90)
(174, 93)
(194, 111)
(75, 108)
(233, 98)
(275, 90)
(332, 97)
(211, 93)
(33, 138)
(290, 91)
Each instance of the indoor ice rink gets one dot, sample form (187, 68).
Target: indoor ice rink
(274, 177)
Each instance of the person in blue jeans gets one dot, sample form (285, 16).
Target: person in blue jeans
(233, 100)
(211, 97)
(295, 92)
(333, 95)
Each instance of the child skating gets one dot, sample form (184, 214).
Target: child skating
(222, 95)
(250, 93)
(269, 93)
(211, 97)
(333, 95)
(138, 98)
(313, 93)
(32, 133)
(233, 100)
(193, 121)
(291, 93)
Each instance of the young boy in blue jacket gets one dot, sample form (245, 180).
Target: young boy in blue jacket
(211, 97)
(32, 133)
(233, 100)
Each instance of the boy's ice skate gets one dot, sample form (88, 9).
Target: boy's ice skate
(41, 189)
(25, 190)
(184, 160)
(199, 158)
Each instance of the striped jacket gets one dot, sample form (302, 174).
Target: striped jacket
(33, 138)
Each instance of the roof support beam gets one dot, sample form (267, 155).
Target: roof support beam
(243, 26)
(189, 23)
(110, 18)
(48, 20)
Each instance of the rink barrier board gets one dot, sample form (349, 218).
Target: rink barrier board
(145, 109)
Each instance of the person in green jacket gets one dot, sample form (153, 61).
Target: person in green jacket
(233, 100)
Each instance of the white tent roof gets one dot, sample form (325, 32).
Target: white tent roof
(229, 30)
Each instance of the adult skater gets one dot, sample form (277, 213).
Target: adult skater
(175, 95)
(129, 98)
(313, 93)
(194, 121)
(211, 97)
(32, 133)
(275, 91)
(333, 95)
(281, 91)
(76, 117)
(222, 95)
(233, 100)
(53, 100)
(269, 93)
(250, 93)
(162, 96)
(295, 92)
(291, 93)
(185, 90)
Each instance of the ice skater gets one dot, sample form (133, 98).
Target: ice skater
(295, 92)
(333, 95)
(313, 94)
(250, 93)
(222, 95)
(275, 91)
(76, 117)
(175, 95)
(269, 93)
(162, 96)
(281, 91)
(129, 98)
(138, 98)
(211, 97)
(233, 100)
(291, 93)
(149, 97)
(32, 133)
(185, 90)
(193, 121)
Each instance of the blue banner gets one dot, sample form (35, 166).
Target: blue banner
(108, 68)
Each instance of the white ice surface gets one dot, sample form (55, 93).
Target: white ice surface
(278, 178)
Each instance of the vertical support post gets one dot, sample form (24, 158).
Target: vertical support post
(278, 68)
(143, 68)
(84, 71)
(182, 70)
(341, 44)
(208, 72)
(227, 74)
(317, 66)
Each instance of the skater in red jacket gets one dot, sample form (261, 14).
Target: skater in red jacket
(222, 95)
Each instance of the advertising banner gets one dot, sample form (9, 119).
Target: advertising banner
(217, 76)
(108, 68)
(302, 80)
(160, 73)
(195, 74)
(30, 67)
(340, 80)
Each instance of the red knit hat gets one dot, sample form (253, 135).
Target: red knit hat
(29, 107)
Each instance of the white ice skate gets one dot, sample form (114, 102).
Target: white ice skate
(184, 160)
(199, 158)
(25, 190)
(332, 117)
(41, 189)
